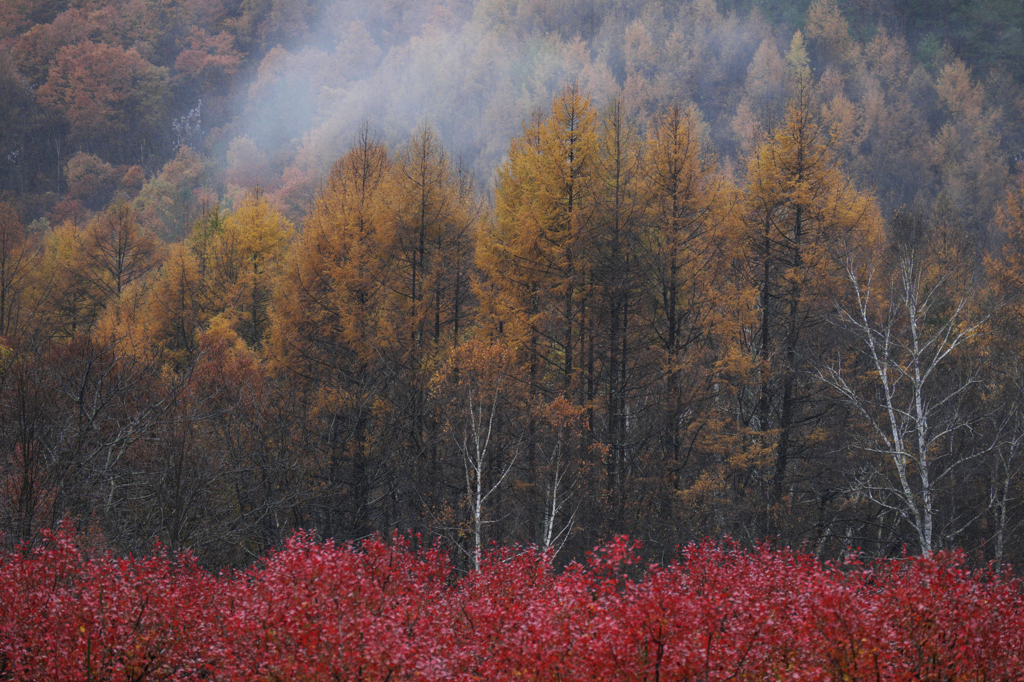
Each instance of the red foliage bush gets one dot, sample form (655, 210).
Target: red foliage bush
(386, 611)
(64, 617)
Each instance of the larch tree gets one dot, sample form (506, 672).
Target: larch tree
(1003, 349)
(331, 334)
(891, 142)
(537, 257)
(537, 261)
(179, 303)
(966, 151)
(435, 226)
(69, 303)
(117, 250)
(765, 94)
(85, 270)
(18, 258)
(682, 256)
(619, 353)
(613, 343)
(829, 33)
(330, 302)
(243, 262)
(800, 213)
(427, 301)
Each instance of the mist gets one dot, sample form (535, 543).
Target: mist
(271, 93)
(475, 73)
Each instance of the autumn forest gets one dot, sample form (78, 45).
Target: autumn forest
(512, 271)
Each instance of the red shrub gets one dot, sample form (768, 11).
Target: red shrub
(384, 611)
(66, 618)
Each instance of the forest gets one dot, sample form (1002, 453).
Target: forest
(513, 272)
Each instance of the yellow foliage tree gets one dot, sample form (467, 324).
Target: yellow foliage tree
(18, 261)
(179, 303)
(435, 221)
(536, 256)
(966, 151)
(89, 269)
(117, 250)
(1003, 350)
(329, 304)
(242, 263)
(828, 30)
(689, 305)
(801, 215)
(331, 332)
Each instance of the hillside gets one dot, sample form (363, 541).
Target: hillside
(536, 272)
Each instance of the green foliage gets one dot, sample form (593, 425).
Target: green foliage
(170, 202)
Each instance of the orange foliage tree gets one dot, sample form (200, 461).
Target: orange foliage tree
(801, 214)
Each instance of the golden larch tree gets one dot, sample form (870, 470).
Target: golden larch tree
(243, 262)
(537, 255)
(800, 214)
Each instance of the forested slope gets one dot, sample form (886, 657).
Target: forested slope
(512, 272)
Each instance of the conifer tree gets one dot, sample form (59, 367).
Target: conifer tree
(117, 251)
(800, 214)
(427, 304)
(614, 350)
(179, 303)
(537, 261)
(18, 257)
(331, 335)
(688, 303)
(537, 256)
(434, 228)
(243, 262)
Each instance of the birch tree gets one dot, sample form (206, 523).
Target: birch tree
(911, 316)
(480, 387)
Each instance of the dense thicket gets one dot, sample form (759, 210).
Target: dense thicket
(744, 270)
(373, 611)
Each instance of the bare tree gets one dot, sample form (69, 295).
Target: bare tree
(1007, 467)
(910, 315)
(559, 427)
(482, 401)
